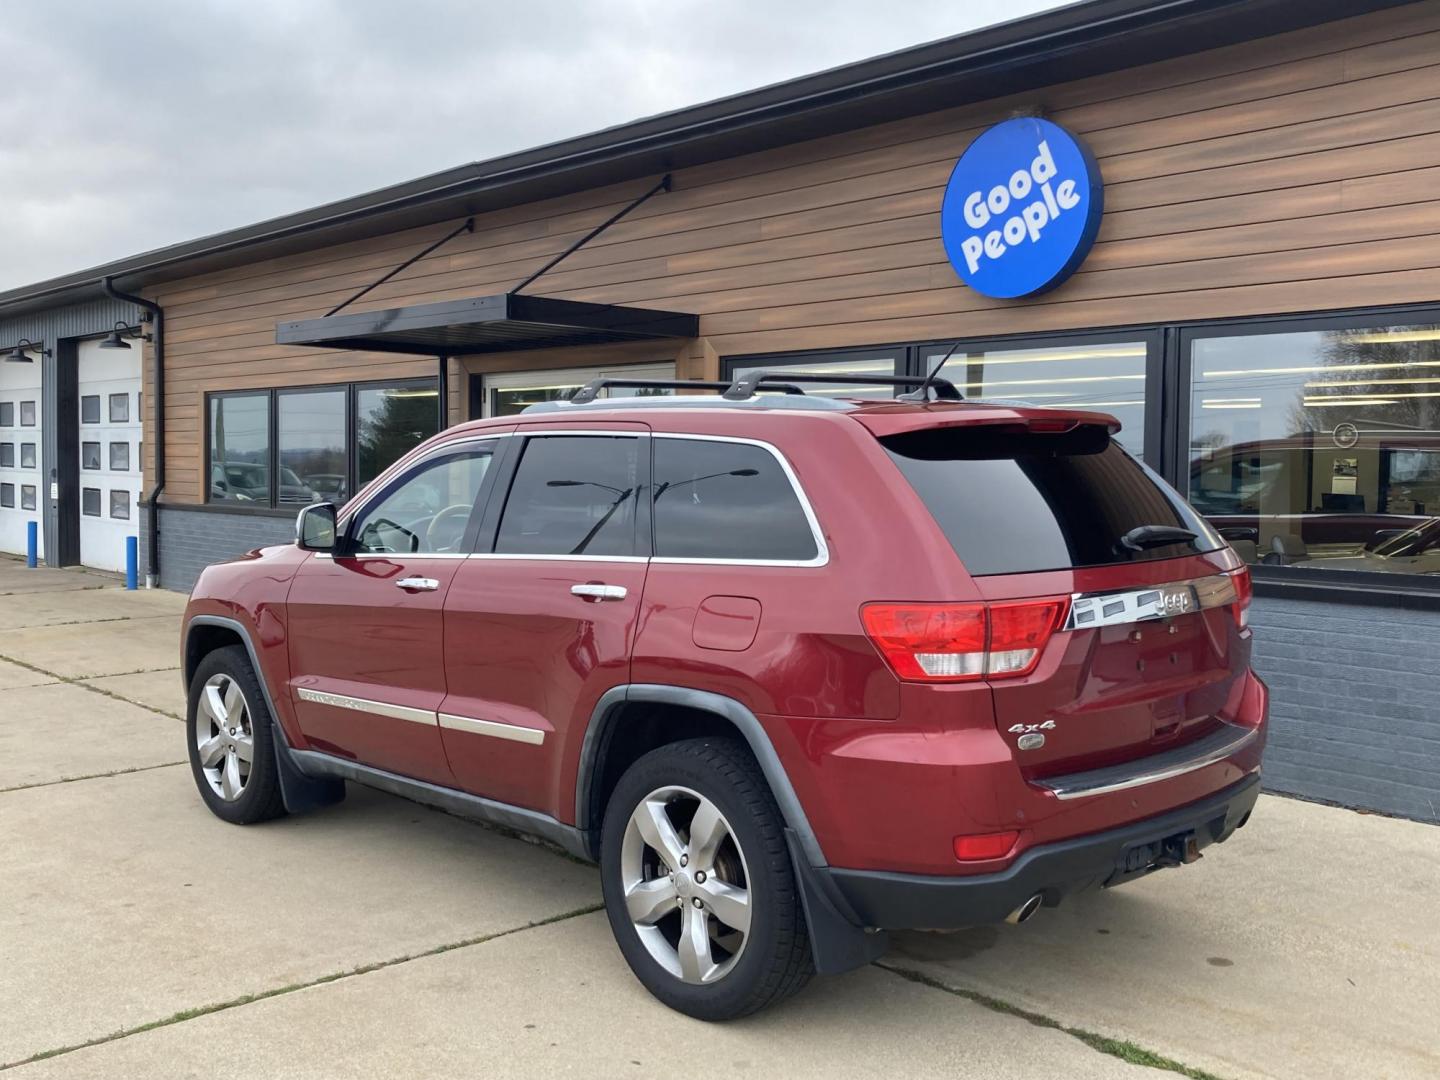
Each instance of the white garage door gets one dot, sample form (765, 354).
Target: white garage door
(21, 490)
(109, 390)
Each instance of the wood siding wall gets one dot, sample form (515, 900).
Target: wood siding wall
(1289, 174)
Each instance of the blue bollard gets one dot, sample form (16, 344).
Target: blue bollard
(132, 547)
(32, 544)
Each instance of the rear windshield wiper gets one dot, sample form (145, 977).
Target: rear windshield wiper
(1148, 536)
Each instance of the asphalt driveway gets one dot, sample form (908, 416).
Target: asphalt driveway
(140, 936)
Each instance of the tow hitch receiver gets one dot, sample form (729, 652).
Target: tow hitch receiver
(1178, 850)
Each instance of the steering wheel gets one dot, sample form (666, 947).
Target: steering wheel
(436, 532)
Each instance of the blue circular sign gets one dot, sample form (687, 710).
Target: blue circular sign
(1021, 209)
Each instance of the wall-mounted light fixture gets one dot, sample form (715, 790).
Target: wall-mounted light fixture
(113, 340)
(19, 354)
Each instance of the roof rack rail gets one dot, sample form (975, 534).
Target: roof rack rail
(747, 386)
(591, 390)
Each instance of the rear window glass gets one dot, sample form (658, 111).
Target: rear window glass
(725, 500)
(1016, 502)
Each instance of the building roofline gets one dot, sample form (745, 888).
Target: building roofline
(1065, 43)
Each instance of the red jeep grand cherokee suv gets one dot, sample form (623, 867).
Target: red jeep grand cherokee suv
(793, 670)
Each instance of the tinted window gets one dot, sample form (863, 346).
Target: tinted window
(90, 455)
(7, 494)
(722, 500)
(7, 455)
(27, 455)
(573, 495)
(7, 414)
(239, 448)
(390, 421)
(427, 510)
(90, 502)
(1015, 503)
(310, 431)
(90, 409)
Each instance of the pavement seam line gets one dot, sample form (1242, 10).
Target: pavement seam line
(336, 976)
(1119, 1048)
(90, 776)
(80, 681)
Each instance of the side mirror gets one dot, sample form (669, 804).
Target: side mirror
(315, 527)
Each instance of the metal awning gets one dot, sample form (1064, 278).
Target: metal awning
(499, 323)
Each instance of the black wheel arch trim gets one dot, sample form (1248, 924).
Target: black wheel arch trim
(744, 721)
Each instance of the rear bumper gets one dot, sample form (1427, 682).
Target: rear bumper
(894, 901)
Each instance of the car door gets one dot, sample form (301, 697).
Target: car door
(366, 625)
(540, 622)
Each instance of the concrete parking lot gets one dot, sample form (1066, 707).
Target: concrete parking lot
(141, 937)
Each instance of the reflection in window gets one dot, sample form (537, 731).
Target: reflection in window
(512, 392)
(428, 511)
(390, 421)
(1321, 448)
(7, 494)
(240, 448)
(1108, 378)
(310, 435)
(119, 408)
(90, 409)
(90, 502)
(27, 455)
(90, 455)
(572, 495)
(7, 414)
(120, 505)
(27, 496)
(120, 456)
(7, 455)
(27, 414)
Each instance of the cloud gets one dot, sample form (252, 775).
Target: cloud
(129, 127)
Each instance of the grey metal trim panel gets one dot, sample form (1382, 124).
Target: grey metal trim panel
(366, 705)
(743, 719)
(1230, 739)
(512, 732)
(315, 764)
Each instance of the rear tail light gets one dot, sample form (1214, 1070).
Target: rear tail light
(963, 642)
(985, 846)
(1244, 593)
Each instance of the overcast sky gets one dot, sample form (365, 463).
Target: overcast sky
(125, 127)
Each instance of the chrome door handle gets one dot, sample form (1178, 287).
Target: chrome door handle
(599, 592)
(418, 584)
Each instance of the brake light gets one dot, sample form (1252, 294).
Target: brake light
(963, 642)
(986, 846)
(1244, 593)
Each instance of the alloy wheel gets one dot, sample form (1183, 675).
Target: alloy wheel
(685, 884)
(223, 736)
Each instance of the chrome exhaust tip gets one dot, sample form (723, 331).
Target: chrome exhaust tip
(1025, 911)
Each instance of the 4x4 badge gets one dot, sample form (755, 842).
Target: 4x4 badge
(1030, 737)
(1025, 729)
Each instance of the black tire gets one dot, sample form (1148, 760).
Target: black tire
(260, 799)
(775, 961)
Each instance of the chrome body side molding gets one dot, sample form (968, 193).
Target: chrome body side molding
(512, 732)
(365, 705)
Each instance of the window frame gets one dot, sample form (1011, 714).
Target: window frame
(1300, 582)
(272, 507)
(822, 550)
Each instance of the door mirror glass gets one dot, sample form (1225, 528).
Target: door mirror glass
(315, 527)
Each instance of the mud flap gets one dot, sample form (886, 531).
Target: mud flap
(302, 793)
(837, 940)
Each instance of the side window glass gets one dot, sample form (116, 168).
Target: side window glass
(573, 495)
(426, 512)
(724, 500)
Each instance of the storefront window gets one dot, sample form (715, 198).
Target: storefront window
(240, 448)
(1321, 449)
(881, 363)
(311, 435)
(324, 450)
(390, 421)
(511, 392)
(1108, 378)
